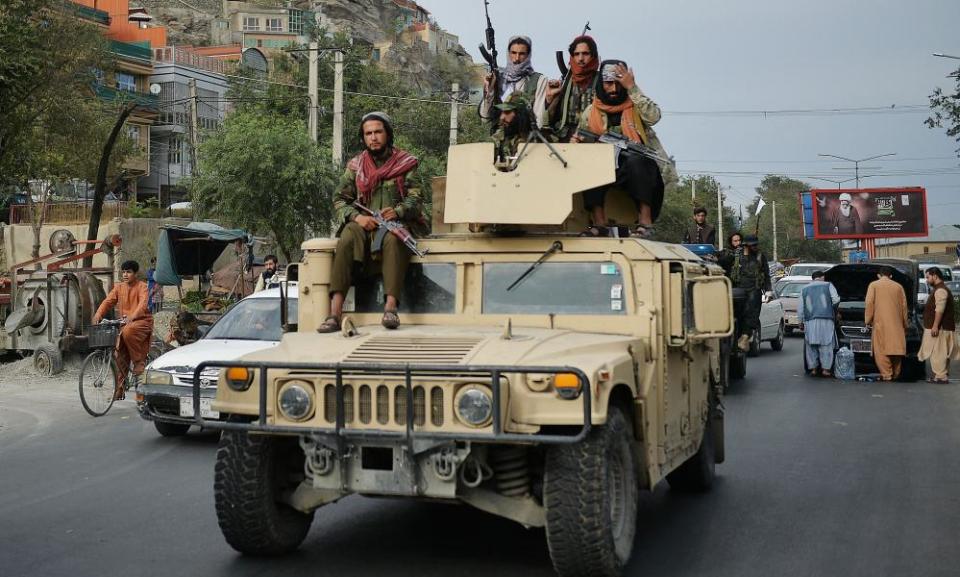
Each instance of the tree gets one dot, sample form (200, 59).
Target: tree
(790, 235)
(262, 172)
(677, 211)
(946, 110)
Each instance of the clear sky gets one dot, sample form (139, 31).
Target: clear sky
(701, 60)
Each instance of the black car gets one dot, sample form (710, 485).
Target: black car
(851, 281)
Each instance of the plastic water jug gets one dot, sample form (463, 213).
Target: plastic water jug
(843, 365)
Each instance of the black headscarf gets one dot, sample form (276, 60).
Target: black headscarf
(612, 100)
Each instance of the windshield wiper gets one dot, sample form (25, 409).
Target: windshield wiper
(556, 246)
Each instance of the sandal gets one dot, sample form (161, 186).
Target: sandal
(330, 324)
(938, 381)
(390, 320)
(643, 231)
(596, 231)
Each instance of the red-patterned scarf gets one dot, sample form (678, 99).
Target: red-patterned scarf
(370, 176)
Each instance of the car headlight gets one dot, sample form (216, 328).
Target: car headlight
(239, 378)
(158, 378)
(296, 400)
(474, 404)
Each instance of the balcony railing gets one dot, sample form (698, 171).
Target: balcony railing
(110, 94)
(92, 14)
(174, 55)
(132, 51)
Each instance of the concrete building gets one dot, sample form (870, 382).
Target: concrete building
(172, 159)
(255, 26)
(939, 246)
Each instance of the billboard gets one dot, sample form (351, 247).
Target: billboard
(869, 213)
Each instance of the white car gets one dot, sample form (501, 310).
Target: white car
(772, 328)
(807, 269)
(788, 291)
(251, 325)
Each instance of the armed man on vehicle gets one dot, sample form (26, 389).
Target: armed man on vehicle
(519, 76)
(620, 107)
(379, 179)
(516, 121)
(749, 272)
(699, 232)
(567, 99)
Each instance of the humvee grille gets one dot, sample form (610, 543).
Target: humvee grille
(365, 406)
(414, 350)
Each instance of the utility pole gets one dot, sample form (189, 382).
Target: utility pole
(693, 192)
(454, 93)
(193, 126)
(338, 109)
(719, 216)
(314, 55)
(775, 230)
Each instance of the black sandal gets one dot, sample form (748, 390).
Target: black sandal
(330, 324)
(390, 320)
(596, 231)
(642, 231)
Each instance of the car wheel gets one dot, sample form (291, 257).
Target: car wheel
(777, 343)
(171, 429)
(252, 474)
(590, 494)
(754, 343)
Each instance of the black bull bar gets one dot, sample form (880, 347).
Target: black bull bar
(353, 370)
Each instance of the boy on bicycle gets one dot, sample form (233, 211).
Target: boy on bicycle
(133, 307)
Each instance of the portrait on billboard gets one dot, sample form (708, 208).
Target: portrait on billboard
(869, 213)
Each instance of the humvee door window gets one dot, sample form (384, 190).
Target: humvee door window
(563, 288)
(429, 288)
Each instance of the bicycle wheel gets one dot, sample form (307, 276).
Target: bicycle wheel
(98, 381)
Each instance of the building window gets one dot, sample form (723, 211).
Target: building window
(174, 155)
(223, 25)
(133, 133)
(926, 250)
(296, 20)
(274, 25)
(126, 82)
(97, 76)
(251, 24)
(376, 55)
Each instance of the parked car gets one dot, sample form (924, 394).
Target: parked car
(788, 291)
(945, 270)
(923, 292)
(772, 327)
(851, 281)
(808, 268)
(251, 325)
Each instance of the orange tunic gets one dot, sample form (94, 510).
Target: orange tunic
(887, 313)
(132, 301)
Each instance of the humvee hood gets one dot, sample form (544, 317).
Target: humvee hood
(437, 344)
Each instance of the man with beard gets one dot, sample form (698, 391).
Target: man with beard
(846, 219)
(566, 101)
(515, 125)
(382, 179)
(749, 272)
(620, 107)
(939, 341)
(518, 77)
(269, 270)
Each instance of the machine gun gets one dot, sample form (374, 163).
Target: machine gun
(621, 143)
(393, 227)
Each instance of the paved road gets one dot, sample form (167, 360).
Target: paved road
(821, 478)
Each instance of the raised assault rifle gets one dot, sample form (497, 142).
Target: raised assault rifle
(393, 227)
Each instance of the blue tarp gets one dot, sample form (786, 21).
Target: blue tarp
(191, 250)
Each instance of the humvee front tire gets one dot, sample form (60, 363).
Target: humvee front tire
(252, 473)
(590, 493)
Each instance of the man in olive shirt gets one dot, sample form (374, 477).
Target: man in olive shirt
(382, 179)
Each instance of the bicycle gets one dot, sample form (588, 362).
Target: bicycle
(98, 385)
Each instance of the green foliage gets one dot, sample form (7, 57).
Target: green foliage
(946, 110)
(790, 241)
(148, 209)
(262, 172)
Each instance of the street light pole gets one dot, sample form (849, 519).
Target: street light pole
(856, 162)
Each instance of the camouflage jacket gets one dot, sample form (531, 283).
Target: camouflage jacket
(505, 147)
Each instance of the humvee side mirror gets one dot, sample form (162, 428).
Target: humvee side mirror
(711, 306)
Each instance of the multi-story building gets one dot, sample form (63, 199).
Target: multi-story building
(129, 81)
(255, 26)
(175, 68)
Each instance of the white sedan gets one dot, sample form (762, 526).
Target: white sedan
(251, 325)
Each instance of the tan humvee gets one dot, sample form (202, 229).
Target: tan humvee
(550, 396)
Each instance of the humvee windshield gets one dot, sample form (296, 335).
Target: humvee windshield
(568, 288)
(429, 288)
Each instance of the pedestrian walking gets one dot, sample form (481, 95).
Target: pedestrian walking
(939, 341)
(816, 309)
(886, 314)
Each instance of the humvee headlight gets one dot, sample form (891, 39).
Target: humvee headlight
(239, 378)
(567, 385)
(158, 378)
(474, 404)
(296, 400)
